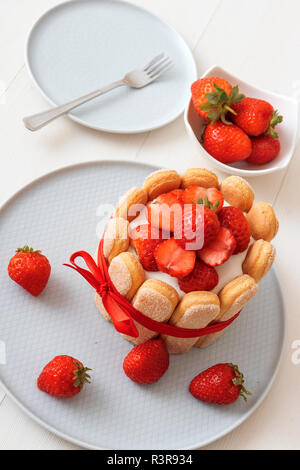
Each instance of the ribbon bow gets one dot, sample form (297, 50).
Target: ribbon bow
(122, 313)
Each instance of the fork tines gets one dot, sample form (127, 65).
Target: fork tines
(158, 65)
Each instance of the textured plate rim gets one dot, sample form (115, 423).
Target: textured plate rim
(82, 121)
(86, 445)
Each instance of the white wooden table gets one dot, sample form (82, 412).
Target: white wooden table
(257, 40)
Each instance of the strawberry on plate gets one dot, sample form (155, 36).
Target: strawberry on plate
(219, 250)
(222, 384)
(145, 239)
(173, 259)
(213, 96)
(255, 116)
(165, 211)
(234, 219)
(264, 149)
(147, 362)
(63, 377)
(30, 269)
(226, 143)
(203, 277)
(197, 195)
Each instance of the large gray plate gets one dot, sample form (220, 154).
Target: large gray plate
(57, 214)
(80, 46)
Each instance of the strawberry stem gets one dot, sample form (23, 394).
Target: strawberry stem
(228, 108)
(80, 375)
(27, 249)
(276, 119)
(205, 202)
(239, 381)
(218, 103)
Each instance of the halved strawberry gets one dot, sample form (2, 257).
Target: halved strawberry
(197, 195)
(166, 210)
(235, 220)
(145, 239)
(174, 260)
(203, 277)
(218, 251)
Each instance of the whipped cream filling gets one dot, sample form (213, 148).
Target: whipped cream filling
(226, 272)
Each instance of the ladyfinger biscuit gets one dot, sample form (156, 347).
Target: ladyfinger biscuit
(233, 297)
(199, 177)
(160, 182)
(157, 300)
(101, 308)
(195, 310)
(238, 193)
(259, 259)
(126, 206)
(116, 238)
(126, 273)
(263, 222)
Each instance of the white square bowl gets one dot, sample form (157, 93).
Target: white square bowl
(288, 129)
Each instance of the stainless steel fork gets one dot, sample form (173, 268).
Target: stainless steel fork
(137, 78)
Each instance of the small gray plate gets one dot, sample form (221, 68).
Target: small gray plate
(80, 46)
(57, 214)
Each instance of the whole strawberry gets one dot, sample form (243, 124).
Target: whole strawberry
(234, 219)
(255, 116)
(203, 277)
(227, 143)
(221, 384)
(145, 239)
(30, 269)
(212, 98)
(147, 362)
(264, 149)
(200, 225)
(63, 377)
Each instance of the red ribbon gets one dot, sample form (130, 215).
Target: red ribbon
(121, 311)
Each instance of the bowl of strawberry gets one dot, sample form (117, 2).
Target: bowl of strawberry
(241, 129)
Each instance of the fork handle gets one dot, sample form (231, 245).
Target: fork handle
(39, 120)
